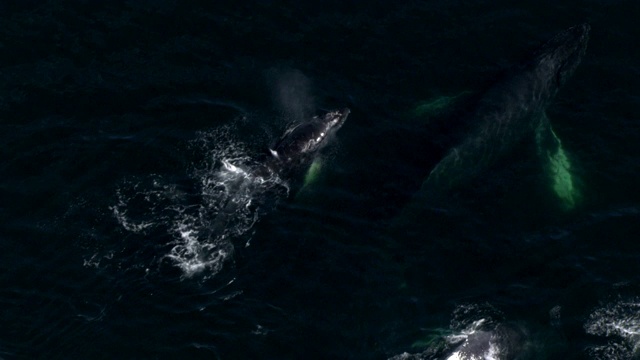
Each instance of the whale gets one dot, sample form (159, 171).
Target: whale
(293, 158)
(481, 340)
(277, 170)
(509, 112)
(296, 150)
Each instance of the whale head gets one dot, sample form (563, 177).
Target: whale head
(305, 139)
(559, 57)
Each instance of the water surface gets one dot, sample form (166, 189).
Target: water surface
(125, 125)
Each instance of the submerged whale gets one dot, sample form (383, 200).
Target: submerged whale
(510, 111)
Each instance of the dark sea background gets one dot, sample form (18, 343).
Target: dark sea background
(117, 119)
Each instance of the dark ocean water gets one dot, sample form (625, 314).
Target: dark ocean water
(125, 125)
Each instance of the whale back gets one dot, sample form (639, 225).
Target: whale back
(303, 140)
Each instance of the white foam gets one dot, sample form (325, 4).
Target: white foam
(121, 216)
(93, 261)
(619, 321)
(469, 335)
(474, 335)
(226, 205)
(192, 252)
(260, 330)
(466, 332)
(493, 353)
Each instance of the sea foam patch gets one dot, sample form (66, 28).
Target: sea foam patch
(223, 202)
(619, 323)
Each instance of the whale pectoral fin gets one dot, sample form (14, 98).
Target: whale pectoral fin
(462, 164)
(557, 164)
(310, 178)
(436, 106)
(313, 172)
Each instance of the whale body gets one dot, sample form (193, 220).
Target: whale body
(511, 110)
(298, 146)
(292, 155)
(482, 340)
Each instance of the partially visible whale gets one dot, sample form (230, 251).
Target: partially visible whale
(510, 111)
(285, 164)
(481, 339)
(298, 146)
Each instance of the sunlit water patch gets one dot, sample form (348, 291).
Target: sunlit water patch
(207, 216)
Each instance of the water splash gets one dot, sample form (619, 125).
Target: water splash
(474, 334)
(620, 323)
(292, 92)
(225, 201)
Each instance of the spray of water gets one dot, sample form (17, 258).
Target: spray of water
(292, 93)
